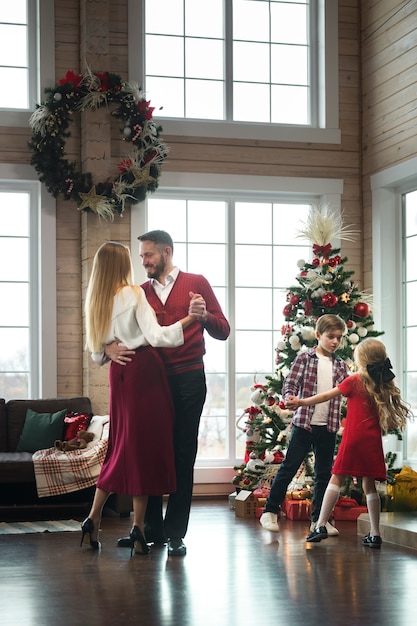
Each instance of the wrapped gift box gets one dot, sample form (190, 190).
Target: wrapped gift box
(348, 513)
(404, 491)
(297, 509)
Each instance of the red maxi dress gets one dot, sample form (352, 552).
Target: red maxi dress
(360, 452)
(140, 455)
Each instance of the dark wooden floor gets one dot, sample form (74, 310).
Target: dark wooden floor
(235, 573)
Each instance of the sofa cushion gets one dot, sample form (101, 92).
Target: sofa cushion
(41, 430)
(16, 467)
(74, 422)
(16, 413)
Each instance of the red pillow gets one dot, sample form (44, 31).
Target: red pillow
(74, 422)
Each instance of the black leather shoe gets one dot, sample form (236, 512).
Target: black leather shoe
(176, 547)
(372, 541)
(318, 534)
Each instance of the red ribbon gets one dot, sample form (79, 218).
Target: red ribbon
(322, 250)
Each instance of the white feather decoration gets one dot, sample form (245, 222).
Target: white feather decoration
(324, 225)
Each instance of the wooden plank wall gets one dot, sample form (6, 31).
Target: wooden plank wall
(389, 104)
(196, 155)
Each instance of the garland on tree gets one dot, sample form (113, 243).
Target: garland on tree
(138, 172)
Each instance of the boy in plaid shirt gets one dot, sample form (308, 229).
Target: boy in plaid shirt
(313, 371)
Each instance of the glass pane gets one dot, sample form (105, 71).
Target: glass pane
(164, 16)
(18, 315)
(285, 265)
(212, 436)
(167, 95)
(14, 214)
(204, 19)
(215, 357)
(207, 221)
(289, 105)
(255, 352)
(253, 266)
(251, 62)
(288, 220)
(411, 300)
(204, 99)
(209, 260)
(216, 401)
(250, 20)
(411, 214)
(253, 309)
(411, 258)
(14, 386)
(244, 93)
(14, 355)
(204, 58)
(169, 215)
(289, 65)
(248, 232)
(14, 259)
(288, 23)
(13, 38)
(164, 56)
(411, 342)
(16, 98)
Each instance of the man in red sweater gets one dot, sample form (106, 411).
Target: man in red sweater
(168, 292)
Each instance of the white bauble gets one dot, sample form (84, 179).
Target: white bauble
(269, 456)
(57, 96)
(127, 131)
(281, 345)
(353, 338)
(362, 331)
(255, 465)
(301, 263)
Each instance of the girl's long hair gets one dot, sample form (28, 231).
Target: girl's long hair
(112, 270)
(392, 410)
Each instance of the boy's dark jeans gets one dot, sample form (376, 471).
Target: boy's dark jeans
(322, 442)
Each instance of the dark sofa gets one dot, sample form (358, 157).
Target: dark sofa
(17, 477)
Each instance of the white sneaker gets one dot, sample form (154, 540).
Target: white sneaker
(269, 521)
(331, 530)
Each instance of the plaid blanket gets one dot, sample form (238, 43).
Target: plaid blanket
(58, 472)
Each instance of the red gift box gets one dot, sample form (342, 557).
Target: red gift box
(348, 513)
(297, 509)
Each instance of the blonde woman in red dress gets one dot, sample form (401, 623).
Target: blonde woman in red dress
(374, 406)
(140, 456)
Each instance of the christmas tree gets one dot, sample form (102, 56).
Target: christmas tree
(322, 285)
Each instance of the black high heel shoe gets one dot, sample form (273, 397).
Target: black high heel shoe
(137, 542)
(87, 528)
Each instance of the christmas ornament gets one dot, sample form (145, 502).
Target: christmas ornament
(329, 299)
(361, 309)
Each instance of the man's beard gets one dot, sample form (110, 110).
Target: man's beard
(157, 270)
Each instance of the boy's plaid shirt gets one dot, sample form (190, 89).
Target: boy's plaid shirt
(301, 381)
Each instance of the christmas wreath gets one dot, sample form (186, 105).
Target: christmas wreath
(138, 173)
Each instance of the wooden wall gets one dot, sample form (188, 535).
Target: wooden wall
(389, 97)
(191, 155)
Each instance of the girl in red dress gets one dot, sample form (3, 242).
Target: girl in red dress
(374, 406)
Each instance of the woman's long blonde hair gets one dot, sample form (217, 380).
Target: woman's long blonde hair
(371, 356)
(112, 270)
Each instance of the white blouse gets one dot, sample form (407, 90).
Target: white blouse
(135, 324)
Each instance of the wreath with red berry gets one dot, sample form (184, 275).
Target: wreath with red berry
(138, 173)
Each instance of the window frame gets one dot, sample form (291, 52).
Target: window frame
(388, 187)
(328, 130)
(326, 192)
(41, 50)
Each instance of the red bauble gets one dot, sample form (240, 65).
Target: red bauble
(361, 309)
(294, 300)
(308, 305)
(288, 310)
(329, 299)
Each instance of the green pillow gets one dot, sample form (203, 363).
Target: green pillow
(41, 430)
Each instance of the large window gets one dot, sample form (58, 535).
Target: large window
(18, 45)
(410, 312)
(244, 68)
(246, 245)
